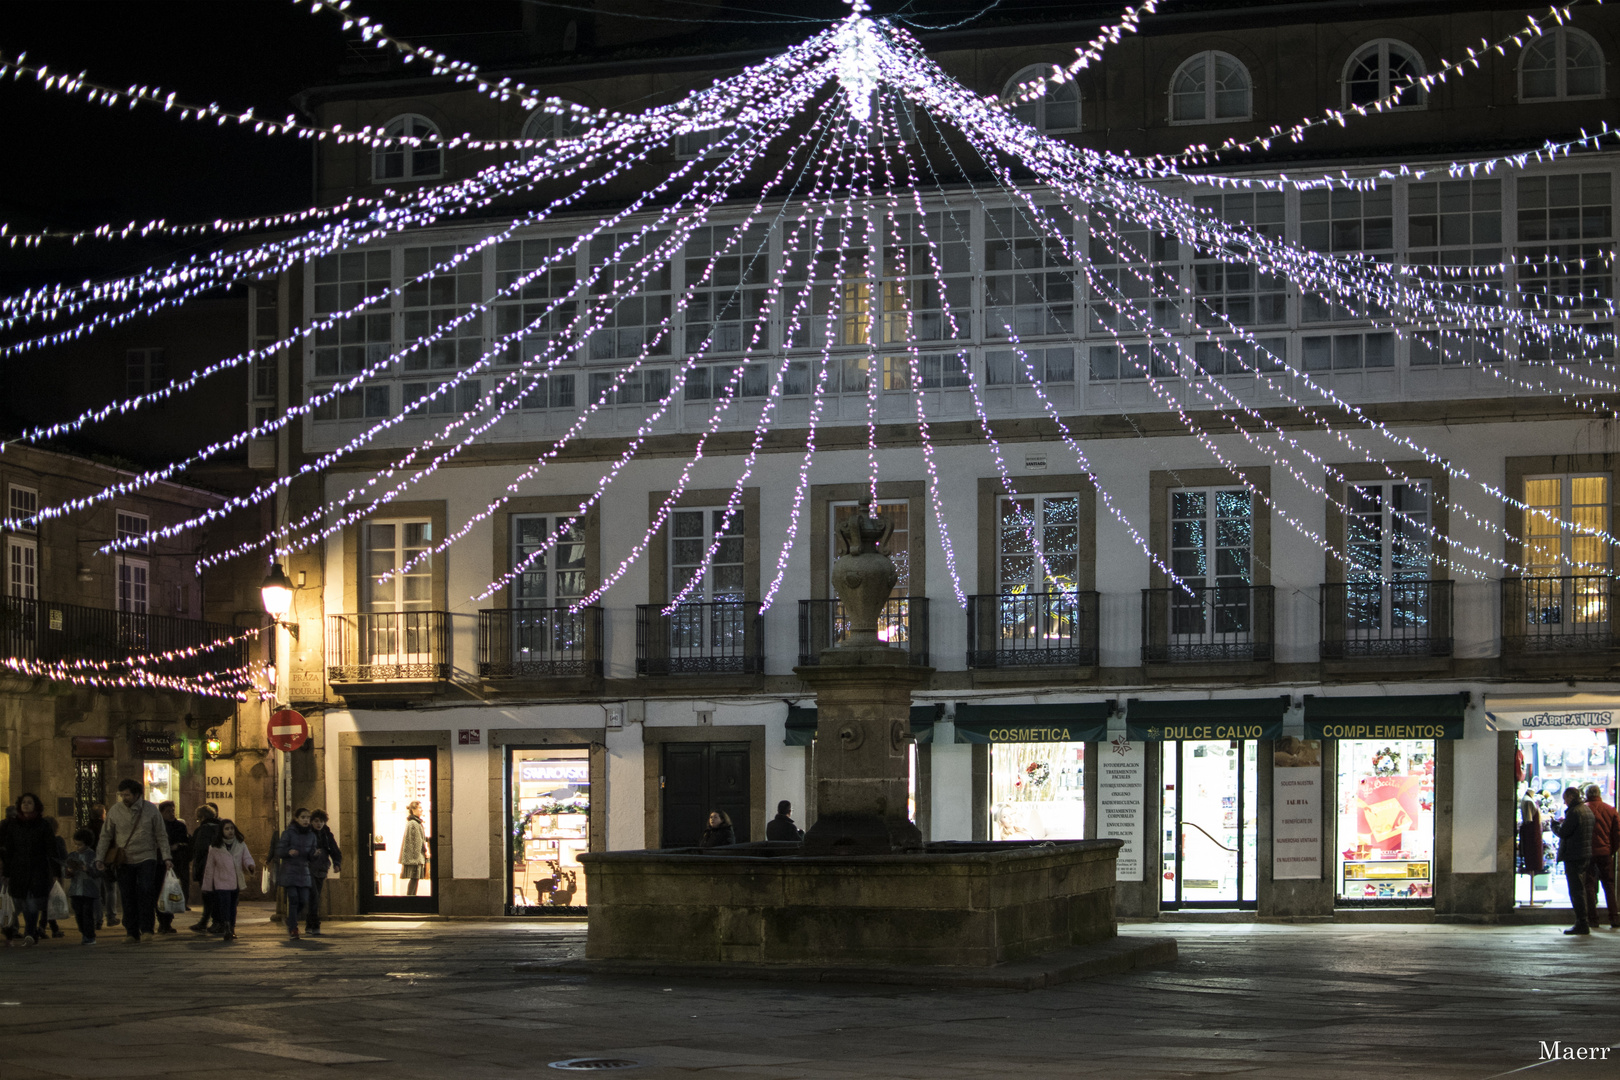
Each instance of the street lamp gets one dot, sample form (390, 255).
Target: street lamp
(213, 744)
(276, 593)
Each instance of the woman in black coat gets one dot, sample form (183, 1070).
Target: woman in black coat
(27, 845)
(719, 833)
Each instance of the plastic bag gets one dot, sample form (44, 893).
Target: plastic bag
(172, 898)
(57, 907)
(8, 907)
(264, 881)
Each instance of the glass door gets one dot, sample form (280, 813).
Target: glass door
(399, 868)
(1209, 805)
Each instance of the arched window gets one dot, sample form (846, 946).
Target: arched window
(1209, 88)
(1564, 63)
(400, 162)
(546, 124)
(1380, 68)
(1056, 110)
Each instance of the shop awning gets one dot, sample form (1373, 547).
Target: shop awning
(801, 725)
(1537, 713)
(1417, 716)
(1153, 720)
(1081, 721)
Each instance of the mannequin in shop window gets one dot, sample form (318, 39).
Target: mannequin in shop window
(1532, 853)
(413, 849)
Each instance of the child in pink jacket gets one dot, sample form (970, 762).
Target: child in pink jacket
(225, 873)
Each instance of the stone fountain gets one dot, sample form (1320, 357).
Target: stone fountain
(863, 896)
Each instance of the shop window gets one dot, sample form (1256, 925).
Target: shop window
(397, 786)
(549, 828)
(1209, 813)
(1552, 760)
(159, 778)
(1385, 801)
(1037, 791)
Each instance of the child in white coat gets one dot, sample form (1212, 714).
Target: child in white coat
(226, 873)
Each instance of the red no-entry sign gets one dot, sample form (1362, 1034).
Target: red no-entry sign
(288, 730)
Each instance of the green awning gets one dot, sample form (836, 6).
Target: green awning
(1414, 716)
(1153, 720)
(1085, 721)
(801, 725)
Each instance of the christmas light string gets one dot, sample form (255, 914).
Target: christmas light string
(232, 683)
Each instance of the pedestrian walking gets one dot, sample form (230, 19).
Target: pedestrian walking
(26, 850)
(781, 827)
(1605, 842)
(111, 907)
(720, 831)
(135, 846)
(226, 865)
(179, 855)
(202, 839)
(326, 859)
(293, 851)
(84, 885)
(1575, 852)
(413, 849)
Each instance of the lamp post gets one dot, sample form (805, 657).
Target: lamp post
(276, 594)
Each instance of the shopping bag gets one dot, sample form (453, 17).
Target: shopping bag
(57, 907)
(172, 899)
(264, 881)
(8, 906)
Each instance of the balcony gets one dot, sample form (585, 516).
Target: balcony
(388, 646)
(45, 632)
(1211, 624)
(1363, 620)
(1551, 617)
(903, 623)
(1025, 630)
(539, 643)
(720, 637)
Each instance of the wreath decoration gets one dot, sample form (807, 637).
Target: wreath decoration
(1039, 772)
(1387, 762)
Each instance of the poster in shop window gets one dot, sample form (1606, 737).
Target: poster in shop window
(1296, 810)
(1121, 792)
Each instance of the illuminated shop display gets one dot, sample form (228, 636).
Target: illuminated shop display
(550, 827)
(1385, 798)
(1037, 791)
(1547, 762)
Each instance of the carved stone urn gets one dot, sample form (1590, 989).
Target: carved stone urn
(863, 575)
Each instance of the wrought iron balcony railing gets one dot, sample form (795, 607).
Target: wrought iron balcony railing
(1209, 624)
(543, 643)
(903, 623)
(1378, 618)
(388, 646)
(45, 632)
(1033, 629)
(719, 637)
(1557, 615)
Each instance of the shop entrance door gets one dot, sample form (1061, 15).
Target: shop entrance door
(1209, 808)
(390, 780)
(699, 778)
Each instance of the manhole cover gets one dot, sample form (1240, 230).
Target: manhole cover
(595, 1064)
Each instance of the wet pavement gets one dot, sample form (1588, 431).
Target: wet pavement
(440, 999)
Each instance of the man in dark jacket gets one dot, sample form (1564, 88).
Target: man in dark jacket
(781, 827)
(1575, 852)
(1605, 842)
(326, 859)
(180, 851)
(202, 839)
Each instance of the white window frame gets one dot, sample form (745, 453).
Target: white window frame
(22, 568)
(1561, 67)
(1038, 105)
(23, 503)
(1415, 100)
(396, 603)
(134, 586)
(1208, 58)
(1039, 581)
(401, 125)
(546, 566)
(131, 523)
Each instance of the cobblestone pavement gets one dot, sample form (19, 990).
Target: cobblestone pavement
(440, 1000)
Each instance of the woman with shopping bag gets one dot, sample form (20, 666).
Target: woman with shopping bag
(26, 847)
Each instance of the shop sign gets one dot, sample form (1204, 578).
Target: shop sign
(1383, 729)
(1121, 799)
(1204, 731)
(92, 746)
(1521, 715)
(159, 744)
(219, 785)
(1296, 811)
(1060, 723)
(565, 772)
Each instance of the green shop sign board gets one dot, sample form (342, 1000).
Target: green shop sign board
(1204, 720)
(801, 725)
(1058, 723)
(1419, 716)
